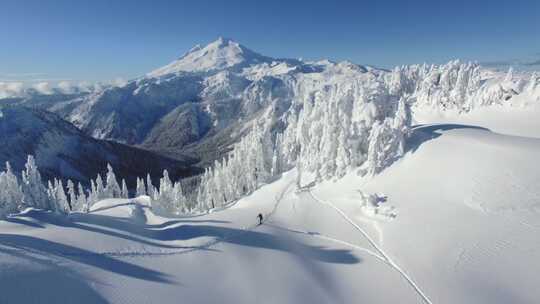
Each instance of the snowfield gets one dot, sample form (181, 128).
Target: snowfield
(467, 224)
(514, 119)
(464, 230)
(121, 253)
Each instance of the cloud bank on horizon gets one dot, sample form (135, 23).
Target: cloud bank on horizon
(13, 88)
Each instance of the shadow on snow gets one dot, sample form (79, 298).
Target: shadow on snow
(24, 284)
(184, 230)
(21, 244)
(423, 133)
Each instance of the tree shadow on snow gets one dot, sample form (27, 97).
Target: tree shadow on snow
(32, 278)
(111, 226)
(252, 238)
(24, 245)
(424, 133)
(24, 221)
(179, 230)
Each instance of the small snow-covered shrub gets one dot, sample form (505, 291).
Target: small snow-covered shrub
(373, 206)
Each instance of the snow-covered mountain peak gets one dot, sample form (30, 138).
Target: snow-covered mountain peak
(220, 54)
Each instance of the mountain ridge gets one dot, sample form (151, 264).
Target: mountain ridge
(204, 101)
(219, 54)
(63, 151)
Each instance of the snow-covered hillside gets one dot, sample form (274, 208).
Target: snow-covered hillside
(463, 230)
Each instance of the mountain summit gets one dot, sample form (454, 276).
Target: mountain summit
(220, 54)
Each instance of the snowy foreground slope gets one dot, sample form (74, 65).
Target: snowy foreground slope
(121, 253)
(464, 230)
(517, 116)
(467, 224)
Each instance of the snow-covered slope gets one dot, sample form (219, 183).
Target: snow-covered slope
(464, 230)
(467, 224)
(136, 257)
(220, 54)
(63, 151)
(518, 116)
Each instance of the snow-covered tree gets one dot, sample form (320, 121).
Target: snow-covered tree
(11, 195)
(112, 189)
(150, 189)
(124, 193)
(453, 86)
(57, 197)
(335, 124)
(81, 203)
(72, 196)
(97, 192)
(35, 193)
(100, 188)
(169, 199)
(141, 188)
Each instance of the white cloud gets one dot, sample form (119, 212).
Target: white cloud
(19, 88)
(43, 87)
(11, 89)
(66, 87)
(119, 82)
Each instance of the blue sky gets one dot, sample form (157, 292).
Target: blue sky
(101, 40)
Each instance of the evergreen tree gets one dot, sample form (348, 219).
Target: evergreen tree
(72, 197)
(81, 203)
(11, 195)
(141, 189)
(58, 197)
(100, 189)
(35, 193)
(169, 198)
(124, 191)
(112, 189)
(149, 186)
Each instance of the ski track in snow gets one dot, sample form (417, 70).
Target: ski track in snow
(388, 260)
(327, 238)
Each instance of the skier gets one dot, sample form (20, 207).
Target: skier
(260, 217)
